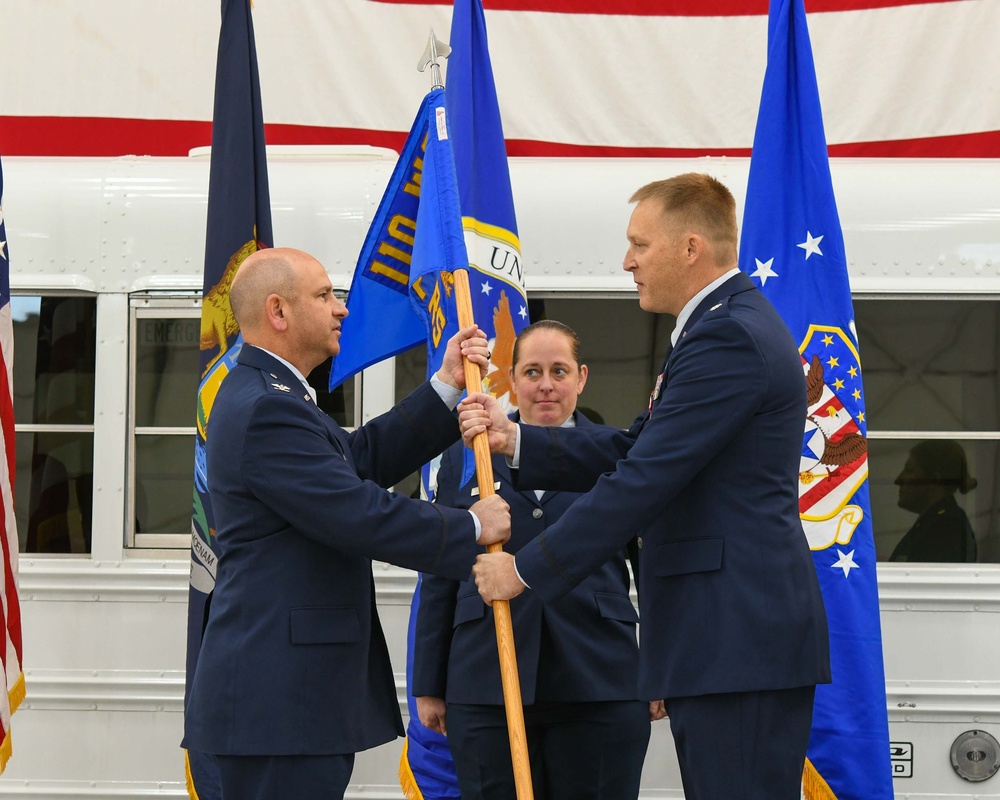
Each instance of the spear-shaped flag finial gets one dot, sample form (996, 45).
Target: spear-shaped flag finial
(435, 49)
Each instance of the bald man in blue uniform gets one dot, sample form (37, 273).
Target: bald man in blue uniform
(293, 675)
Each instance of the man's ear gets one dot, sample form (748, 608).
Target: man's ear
(695, 245)
(274, 311)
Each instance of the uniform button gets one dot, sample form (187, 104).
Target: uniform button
(640, 543)
(537, 513)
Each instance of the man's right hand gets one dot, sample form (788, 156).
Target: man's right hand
(481, 412)
(494, 518)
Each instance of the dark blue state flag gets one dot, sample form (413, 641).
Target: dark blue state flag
(793, 245)
(239, 223)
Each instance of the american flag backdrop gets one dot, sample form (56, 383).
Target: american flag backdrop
(574, 77)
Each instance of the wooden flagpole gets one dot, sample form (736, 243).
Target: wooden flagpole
(501, 608)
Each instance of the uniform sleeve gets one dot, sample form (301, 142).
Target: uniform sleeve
(399, 442)
(716, 384)
(290, 463)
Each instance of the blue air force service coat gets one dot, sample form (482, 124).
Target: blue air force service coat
(589, 652)
(293, 659)
(729, 597)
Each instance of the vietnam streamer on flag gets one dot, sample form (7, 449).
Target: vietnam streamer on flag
(239, 223)
(13, 676)
(793, 244)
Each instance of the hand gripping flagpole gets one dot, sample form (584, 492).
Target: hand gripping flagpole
(484, 476)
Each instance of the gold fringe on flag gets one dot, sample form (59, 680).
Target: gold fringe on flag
(813, 785)
(407, 780)
(5, 751)
(17, 693)
(192, 792)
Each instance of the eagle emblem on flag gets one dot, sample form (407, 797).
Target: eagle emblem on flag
(834, 461)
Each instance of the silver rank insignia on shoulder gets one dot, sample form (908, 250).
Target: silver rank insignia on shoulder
(715, 307)
(281, 387)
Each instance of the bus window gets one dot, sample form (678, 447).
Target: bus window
(164, 385)
(931, 372)
(54, 351)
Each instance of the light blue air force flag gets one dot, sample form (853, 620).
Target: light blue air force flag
(793, 245)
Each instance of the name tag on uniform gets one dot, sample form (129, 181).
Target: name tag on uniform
(496, 488)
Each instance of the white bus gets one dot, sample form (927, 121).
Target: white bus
(106, 273)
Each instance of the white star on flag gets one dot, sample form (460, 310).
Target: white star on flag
(523, 313)
(845, 562)
(811, 245)
(487, 288)
(764, 270)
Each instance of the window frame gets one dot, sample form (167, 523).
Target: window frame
(153, 306)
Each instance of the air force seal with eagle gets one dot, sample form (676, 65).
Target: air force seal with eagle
(834, 462)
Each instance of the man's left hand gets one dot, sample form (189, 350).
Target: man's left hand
(470, 343)
(496, 577)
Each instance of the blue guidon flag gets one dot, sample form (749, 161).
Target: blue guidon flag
(793, 245)
(499, 304)
(402, 294)
(239, 223)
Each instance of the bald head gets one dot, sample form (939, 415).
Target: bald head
(284, 302)
(266, 272)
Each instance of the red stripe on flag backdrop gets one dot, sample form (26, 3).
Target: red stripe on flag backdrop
(93, 136)
(673, 8)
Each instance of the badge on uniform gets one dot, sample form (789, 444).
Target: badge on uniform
(655, 395)
(281, 387)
